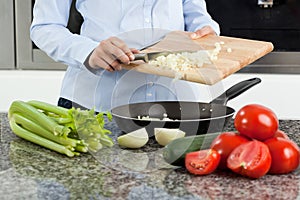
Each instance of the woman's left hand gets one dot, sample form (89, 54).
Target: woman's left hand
(206, 30)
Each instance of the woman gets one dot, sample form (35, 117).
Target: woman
(111, 33)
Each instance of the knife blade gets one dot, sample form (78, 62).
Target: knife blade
(150, 45)
(146, 57)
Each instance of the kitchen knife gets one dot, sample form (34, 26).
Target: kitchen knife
(146, 57)
(151, 44)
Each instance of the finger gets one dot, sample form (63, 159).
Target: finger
(115, 53)
(113, 63)
(103, 61)
(198, 34)
(116, 65)
(125, 55)
(99, 58)
(102, 64)
(134, 51)
(206, 30)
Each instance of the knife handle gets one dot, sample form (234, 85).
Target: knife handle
(141, 56)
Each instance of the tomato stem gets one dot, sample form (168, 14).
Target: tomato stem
(244, 165)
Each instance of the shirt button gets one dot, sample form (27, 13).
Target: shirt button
(149, 94)
(147, 20)
(150, 83)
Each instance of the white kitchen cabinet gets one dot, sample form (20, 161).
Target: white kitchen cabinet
(7, 42)
(27, 56)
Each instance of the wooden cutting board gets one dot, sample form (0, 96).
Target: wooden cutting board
(243, 52)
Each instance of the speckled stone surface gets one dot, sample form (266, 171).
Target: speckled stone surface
(28, 171)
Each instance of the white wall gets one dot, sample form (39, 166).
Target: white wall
(281, 93)
(278, 92)
(27, 85)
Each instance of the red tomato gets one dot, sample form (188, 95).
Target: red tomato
(285, 155)
(256, 122)
(252, 159)
(202, 162)
(281, 134)
(225, 143)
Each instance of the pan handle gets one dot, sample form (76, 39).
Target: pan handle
(236, 90)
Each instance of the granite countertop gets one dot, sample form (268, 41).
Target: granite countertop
(28, 171)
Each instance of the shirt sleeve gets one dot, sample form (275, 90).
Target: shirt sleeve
(196, 16)
(48, 31)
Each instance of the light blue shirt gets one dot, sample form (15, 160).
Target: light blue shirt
(137, 22)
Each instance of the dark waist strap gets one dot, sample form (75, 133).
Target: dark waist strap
(62, 102)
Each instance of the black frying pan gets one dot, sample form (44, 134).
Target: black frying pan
(191, 117)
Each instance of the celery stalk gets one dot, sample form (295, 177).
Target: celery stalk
(91, 129)
(37, 129)
(81, 148)
(61, 120)
(106, 141)
(27, 135)
(70, 131)
(33, 114)
(50, 108)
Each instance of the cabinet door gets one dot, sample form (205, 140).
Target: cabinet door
(7, 52)
(27, 55)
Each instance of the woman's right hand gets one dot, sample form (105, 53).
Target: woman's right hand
(110, 54)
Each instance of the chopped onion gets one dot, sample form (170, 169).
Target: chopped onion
(184, 61)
